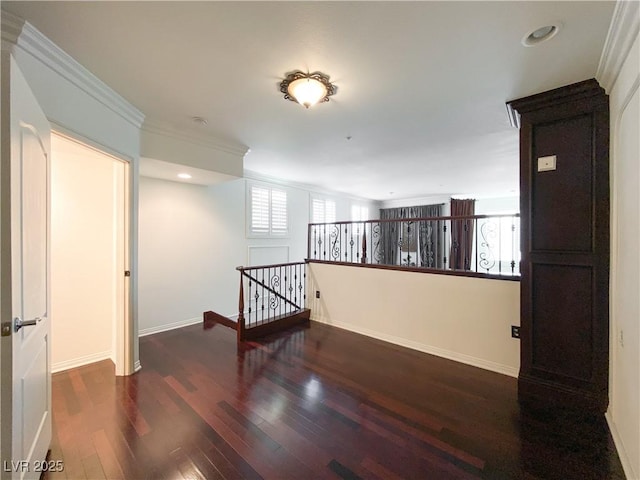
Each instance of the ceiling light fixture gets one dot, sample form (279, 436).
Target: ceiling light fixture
(541, 34)
(307, 88)
(184, 176)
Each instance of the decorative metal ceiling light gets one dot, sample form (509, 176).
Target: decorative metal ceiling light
(307, 88)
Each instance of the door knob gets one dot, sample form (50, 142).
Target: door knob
(19, 323)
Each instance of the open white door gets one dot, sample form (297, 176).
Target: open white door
(26, 356)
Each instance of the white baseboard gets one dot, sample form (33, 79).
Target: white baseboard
(80, 361)
(622, 452)
(421, 347)
(169, 326)
(137, 366)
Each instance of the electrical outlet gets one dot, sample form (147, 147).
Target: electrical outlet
(515, 331)
(317, 293)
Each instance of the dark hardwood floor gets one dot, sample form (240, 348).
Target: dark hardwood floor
(318, 403)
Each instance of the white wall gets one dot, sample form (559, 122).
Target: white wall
(624, 395)
(192, 238)
(497, 205)
(427, 200)
(462, 318)
(84, 263)
(484, 205)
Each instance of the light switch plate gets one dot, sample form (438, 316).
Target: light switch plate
(546, 164)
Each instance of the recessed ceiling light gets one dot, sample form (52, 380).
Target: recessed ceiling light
(541, 34)
(184, 176)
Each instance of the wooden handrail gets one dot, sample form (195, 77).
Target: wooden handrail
(275, 265)
(421, 219)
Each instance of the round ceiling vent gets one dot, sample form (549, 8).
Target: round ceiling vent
(541, 34)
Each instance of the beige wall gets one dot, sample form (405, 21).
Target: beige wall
(624, 391)
(84, 253)
(461, 318)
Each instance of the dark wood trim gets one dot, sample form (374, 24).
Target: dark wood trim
(276, 325)
(535, 391)
(275, 265)
(564, 356)
(400, 268)
(552, 98)
(213, 317)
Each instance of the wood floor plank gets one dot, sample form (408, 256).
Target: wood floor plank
(315, 403)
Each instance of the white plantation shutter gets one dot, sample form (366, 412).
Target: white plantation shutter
(359, 213)
(323, 211)
(329, 211)
(259, 210)
(269, 215)
(317, 211)
(278, 212)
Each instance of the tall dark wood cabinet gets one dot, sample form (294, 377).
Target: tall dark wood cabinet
(564, 208)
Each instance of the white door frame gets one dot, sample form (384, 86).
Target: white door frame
(124, 335)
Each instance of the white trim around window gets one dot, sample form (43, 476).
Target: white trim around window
(323, 210)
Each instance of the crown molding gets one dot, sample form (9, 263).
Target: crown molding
(623, 30)
(32, 41)
(11, 27)
(196, 138)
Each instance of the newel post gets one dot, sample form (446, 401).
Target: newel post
(240, 326)
(364, 245)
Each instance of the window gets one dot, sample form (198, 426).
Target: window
(323, 210)
(359, 213)
(268, 211)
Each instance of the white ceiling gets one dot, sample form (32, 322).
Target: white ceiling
(421, 85)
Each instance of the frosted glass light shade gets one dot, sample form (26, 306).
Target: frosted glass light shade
(307, 91)
(307, 88)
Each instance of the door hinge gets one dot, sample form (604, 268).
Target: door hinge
(6, 329)
(127, 273)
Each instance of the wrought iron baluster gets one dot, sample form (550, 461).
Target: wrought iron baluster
(324, 235)
(475, 234)
(444, 244)
(315, 244)
(262, 298)
(346, 235)
(280, 291)
(303, 293)
(250, 297)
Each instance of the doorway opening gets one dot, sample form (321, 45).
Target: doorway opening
(89, 256)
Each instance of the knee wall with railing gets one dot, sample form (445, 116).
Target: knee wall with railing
(479, 244)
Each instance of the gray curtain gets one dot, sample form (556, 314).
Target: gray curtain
(389, 235)
(424, 235)
(429, 238)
